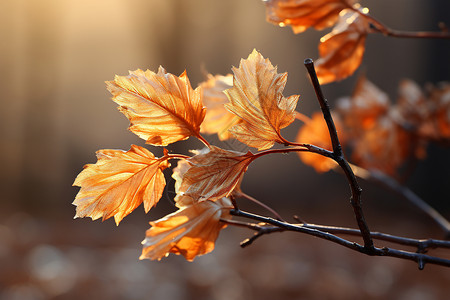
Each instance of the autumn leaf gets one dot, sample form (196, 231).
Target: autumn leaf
(384, 147)
(367, 103)
(191, 231)
(303, 14)
(162, 108)
(213, 175)
(256, 97)
(217, 119)
(341, 51)
(181, 200)
(316, 132)
(119, 182)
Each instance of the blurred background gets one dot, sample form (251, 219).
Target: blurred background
(56, 112)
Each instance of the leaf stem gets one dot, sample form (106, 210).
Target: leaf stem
(203, 140)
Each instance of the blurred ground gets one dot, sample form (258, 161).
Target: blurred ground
(55, 113)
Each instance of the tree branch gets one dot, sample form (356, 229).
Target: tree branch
(338, 156)
(319, 231)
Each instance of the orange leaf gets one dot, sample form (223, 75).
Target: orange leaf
(256, 97)
(367, 103)
(162, 108)
(316, 132)
(217, 119)
(119, 182)
(214, 175)
(302, 14)
(181, 200)
(341, 51)
(384, 147)
(190, 231)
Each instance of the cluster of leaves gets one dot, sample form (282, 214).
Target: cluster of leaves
(249, 106)
(163, 109)
(381, 135)
(341, 51)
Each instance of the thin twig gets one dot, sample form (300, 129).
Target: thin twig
(265, 206)
(419, 258)
(379, 27)
(338, 156)
(410, 196)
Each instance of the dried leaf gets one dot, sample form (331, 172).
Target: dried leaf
(191, 231)
(341, 51)
(302, 14)
(162, 108)
(256, 97)
(119, 182)
(214, 175)
(181, 200)
(217, 119)
(361, 111)
(384, 147)
(316, 132)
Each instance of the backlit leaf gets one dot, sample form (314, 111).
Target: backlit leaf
(162, 108)
(190, 231)
(119, 182)
(303, 14)
(256, 97)
(217, 119)
(214, 175)
(341, 51)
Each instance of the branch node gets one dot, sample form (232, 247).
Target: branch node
(421, 263)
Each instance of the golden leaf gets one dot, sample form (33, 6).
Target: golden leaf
(119, 182)
(316, 133)
(162, 108)
(302, 14)
(256, 97)
(191, 231)
(217, 119)
(214, 175)
(341, 51)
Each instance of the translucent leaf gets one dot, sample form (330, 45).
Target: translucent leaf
(162, 108)
(119, 182)
(217, 119)
(213, 175)
(191, 231)
(256, 98)
(341, 51)
(303, 14)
